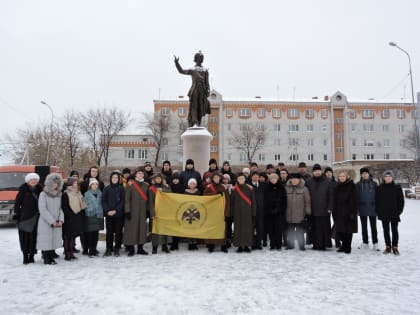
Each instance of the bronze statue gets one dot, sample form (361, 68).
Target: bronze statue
(199, 91)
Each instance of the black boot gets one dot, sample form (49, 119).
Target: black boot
(66, 244)
(140, 250)
(154, 250)
(224, 248)
(240, 249)
(25, 259)
(165, 249)
(130, 249)
(54, 254)
(246, 249)
(31, 258)
(117, 252)
(46, 257)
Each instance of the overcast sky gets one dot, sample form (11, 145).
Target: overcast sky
(86, 53)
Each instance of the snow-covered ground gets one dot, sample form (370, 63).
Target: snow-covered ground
(263, 282)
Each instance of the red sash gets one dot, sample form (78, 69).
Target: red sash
(153, 189)
(211, 186)
(139, 190)
(245, 198)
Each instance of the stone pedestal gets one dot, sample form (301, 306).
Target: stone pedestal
(196, 146)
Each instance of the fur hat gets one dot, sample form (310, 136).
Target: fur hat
(302, 164)
(212, 161)
(49, 184)
(126, 171)
(30, 176)
(295, 175)
(316, 167)
(364, 170)
(226, 163)
(328, 169)
(93, 181)
(192, 180)
(189, 161)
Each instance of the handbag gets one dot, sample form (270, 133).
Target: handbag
(29, 224)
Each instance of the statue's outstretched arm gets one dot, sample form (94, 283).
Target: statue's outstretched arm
(178, 66)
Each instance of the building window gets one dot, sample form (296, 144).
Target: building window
(294, 157)
(213, 133)
(261, 157)
(368, 113)
(368, 143)
(352, 114)
(164, 156)
(277, 141)
(213, 148)
(401, 128)
(400, 113)
(183, 126)
(353, 142)
(294, 128)
(213, 119)
(368, 128)
(229, 112)
(164, 141)
(324, 113)
(293, 113)
(311, 142)
(164, 111)
(309, 113)
(261, 112)
(243, 127)
(293, 142)
(180, 156)
(310, 128)
(181, 111)
(325, 157)
(243, 157)
(129, 154)
(339, 121)
(143, 154)
(385, 113)
(244, 112)
(310, 157)
(338, 135)
(324, 128)
(277, 157)
(354, 156)
(385, 128)
(368, 156)
(229, 157)
(339, 149)
(387, 143)
(386, 156)
(276, 127)
(260, 127)
(325, 141)
(276, 113)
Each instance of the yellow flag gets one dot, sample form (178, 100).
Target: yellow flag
(189, 216)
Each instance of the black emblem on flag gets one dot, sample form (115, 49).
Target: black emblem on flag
(191, 214)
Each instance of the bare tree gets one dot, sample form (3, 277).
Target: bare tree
(100, 126)
(249, 140)
(70, 130)
(157, 125)
(410, 141)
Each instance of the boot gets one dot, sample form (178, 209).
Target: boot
(130, 249)
(154, 250)
(341, 250)
(210, 248)
(395, 250)
(25, 259)
(50, 254)
(31, 258)
(108, 253)
(116, 252)
(66, 244)
(387, 250)
(71, 249)
(54, 254)
(46, 257)
(140, 250)
(246, 249)
(240, 249)
(224, 248)
(165, 249)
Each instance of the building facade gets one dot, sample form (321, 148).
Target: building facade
(327, 130)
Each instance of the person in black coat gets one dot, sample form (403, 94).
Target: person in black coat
(167, 171)
(275, 204)
(178, 188)
(259, 200)
(73, 206)
(322, 202)
(226, 169)
(190, 172)
(26, 213)
(345, 211)
(113, 206)
(389, 206)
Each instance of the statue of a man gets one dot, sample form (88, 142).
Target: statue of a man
(199, 91)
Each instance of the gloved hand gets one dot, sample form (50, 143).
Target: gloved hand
(128, 216)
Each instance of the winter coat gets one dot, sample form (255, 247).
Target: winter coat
(298, 202)
(26, 203)
(345, 207)
(135, 227)
(84, 186)
(49, 203)
(259, 200)
(366, 191)
(322, 195)
(187, 174)
(113, 199)
(243, 215)
(74, 222)
(389, 202)
(157, 239)
(275, 199)
(94, 220)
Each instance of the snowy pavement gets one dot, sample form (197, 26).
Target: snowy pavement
(263, 282)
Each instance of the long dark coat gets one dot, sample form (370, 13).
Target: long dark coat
(389, 202)
(135, 229)
(322, 195)
(345, 207)
(243, 215)
(74, 222)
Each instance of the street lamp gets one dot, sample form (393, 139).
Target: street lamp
(412, 98)
(51, 126)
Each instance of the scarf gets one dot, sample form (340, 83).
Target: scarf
(75, 200)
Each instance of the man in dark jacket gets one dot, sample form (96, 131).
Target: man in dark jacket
(366, 190)
(226, 169)
(188, 173)
(113, 206)
(389, 202)
(302, 169)
(259, 199)
(322, 201)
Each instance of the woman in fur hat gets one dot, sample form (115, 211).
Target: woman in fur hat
(26, 214)
(73, 205)
(51, 218)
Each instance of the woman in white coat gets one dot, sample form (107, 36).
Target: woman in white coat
(51, 218)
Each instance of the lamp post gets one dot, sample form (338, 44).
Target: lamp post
(51, 126)
(416, 132)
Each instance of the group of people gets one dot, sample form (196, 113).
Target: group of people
(270, 208)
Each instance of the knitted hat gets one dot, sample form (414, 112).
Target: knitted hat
(388, 173)
(316, 167)
(226, 163)
(192, 180)
(302, 164)
(328, 169)
(93, 181)
(30, 176)
(226, 176)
